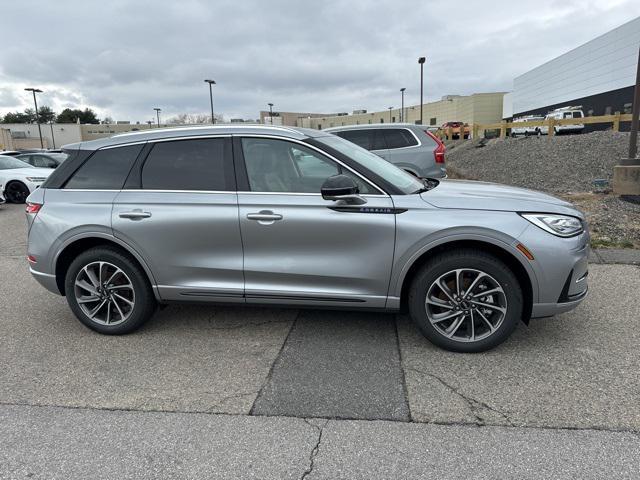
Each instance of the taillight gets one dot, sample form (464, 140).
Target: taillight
(438, 153)
(33, 207)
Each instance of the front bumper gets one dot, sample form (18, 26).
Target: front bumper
(561, 270)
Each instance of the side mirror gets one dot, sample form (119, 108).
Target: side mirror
(341, 188)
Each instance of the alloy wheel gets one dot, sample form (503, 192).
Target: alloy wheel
(466, 305)
(104, 293)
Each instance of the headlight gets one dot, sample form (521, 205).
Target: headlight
(560, 225)
(36, 179)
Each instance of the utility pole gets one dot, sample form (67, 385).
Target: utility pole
(34, 91)
(389, 113)
(158, 110)
(402, 119)
(421, 61)
(270, 112)
(626, 175)
(211, 82)
(53, 139)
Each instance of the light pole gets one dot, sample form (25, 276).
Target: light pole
(421, 61)
(34, 91)
(53, 139)
(211, 82)
(158, 110)
(389, 113)
(270, 113)
(402, 119)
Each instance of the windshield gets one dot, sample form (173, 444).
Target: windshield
(392, 174)
(7, 163)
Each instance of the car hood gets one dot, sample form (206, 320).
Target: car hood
(472, 195)
(27, 172)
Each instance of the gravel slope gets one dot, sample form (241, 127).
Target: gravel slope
(564, 163)
(565, 166)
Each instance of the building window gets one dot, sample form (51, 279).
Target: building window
(433, 121)
(627, 107)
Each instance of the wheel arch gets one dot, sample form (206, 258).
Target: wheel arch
(78, 244)
(508, 257)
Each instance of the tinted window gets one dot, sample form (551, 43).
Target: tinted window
(362, 138)
(200, 164)
(105, 169)
(42, 161)
(281, 166)
(399, 138)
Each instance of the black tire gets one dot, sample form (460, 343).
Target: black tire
(465, 259)
(16, 192)
(144, 300)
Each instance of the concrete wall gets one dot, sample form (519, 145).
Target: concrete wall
(63, 133)
(603, 64)
(476, 108)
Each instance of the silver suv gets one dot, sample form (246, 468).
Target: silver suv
(412, 148)
(284, 216)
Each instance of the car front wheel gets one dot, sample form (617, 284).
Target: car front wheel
(466, 301)
(108, 291)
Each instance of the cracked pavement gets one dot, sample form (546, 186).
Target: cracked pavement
(230, 392)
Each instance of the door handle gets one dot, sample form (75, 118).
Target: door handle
(264, 216)
(135, 214)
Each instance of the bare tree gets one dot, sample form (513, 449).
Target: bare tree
(193, 119)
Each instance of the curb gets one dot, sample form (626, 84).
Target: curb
(614, 256)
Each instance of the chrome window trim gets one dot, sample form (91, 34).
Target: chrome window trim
(109, 147)
(312, 147)
(231, 192)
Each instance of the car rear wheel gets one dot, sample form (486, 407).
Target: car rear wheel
(466, 301)
(108, 291)
(16, 192)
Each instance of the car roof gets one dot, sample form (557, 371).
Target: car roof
(372, 125)
(195, 131)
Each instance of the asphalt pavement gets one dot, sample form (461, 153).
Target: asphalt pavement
(238, 392)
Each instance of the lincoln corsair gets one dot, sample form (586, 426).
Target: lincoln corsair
(290, 216)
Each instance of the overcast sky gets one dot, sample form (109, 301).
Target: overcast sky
(123, 58)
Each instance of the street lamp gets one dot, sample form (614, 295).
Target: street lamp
(158, 110)
(389, 113)
(211, 82)
(270, 112)
(402, 119)
(421, 61)
(34, 91)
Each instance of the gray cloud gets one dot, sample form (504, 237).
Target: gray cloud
(124, 58)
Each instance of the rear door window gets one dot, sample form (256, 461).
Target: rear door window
(105, 169)
(197, 164)
(399, 138)
(362, 138)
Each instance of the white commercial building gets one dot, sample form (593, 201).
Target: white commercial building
(598, 75)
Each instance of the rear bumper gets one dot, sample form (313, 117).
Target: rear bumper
(47, 280)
